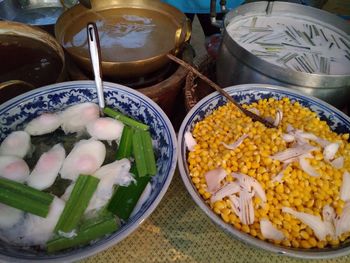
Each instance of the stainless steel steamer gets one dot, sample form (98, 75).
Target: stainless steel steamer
(236, 65)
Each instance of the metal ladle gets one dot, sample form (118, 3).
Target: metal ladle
(95, 56)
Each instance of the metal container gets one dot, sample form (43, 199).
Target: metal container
(236, 65)
(135, 36)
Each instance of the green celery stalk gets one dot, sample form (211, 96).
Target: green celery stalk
(124, 119)
(143, 153)
(125, 198)
(24, 197)
(88, 231)
(77, 203)
(149, 153)
(125, 145)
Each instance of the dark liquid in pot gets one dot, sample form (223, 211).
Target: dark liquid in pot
(27, 59)
(126, 34)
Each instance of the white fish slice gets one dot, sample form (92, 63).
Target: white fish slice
(85, 158)
(116, 173)
(213, 179)
(38, 230)
(14, 168)
(17, 143)
(76, 117)
(9, 216)
(108, 129)
(43, 124)
(46, 170)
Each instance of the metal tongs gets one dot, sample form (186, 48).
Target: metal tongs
(95, 56)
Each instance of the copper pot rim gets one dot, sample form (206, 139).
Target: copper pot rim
(34, 32)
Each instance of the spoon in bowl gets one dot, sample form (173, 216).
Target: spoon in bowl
(95, 56)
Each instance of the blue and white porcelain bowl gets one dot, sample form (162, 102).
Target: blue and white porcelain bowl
(19, 110)
(249, 93)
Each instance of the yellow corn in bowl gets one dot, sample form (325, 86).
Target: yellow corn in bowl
(284, 189)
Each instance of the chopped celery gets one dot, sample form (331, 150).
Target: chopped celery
(143, 153)
(125, 145)
(24, 197)
(77, 203)
(88, 231)
(125, 198)
(124, 119)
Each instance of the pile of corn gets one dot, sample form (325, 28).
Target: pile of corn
(297, 190)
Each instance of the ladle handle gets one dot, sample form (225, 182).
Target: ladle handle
(94, 49)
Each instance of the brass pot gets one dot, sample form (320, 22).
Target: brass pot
(25, 36)
(135, 35)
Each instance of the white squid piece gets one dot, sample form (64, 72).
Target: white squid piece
(85, 158)
(269, 231)
(105, 129)
(17, 144)
(43, 124)
(189, 141)
(75, 118)
(46, 170)
(14, 168)
(213, 178)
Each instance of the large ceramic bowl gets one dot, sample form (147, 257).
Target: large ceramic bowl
(249, 93)
(17, 111)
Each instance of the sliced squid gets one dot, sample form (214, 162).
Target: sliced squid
(17, 144)
(293, 152)
(190, 141)
(345, 187)
(251, 184)
(319, 227)
(278, 118)
(46, 170)
(269, 231)
(213, 179)
(14, 168)
(330, 150)
(226, 190)
(338, 163)
(307, 167)
(43, 124)
(342, 224)
(237, 143)
(246, 215)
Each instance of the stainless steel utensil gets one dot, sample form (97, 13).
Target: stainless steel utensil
(95, 56)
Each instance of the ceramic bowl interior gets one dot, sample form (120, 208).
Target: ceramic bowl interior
(19, 110)
(250, 93)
